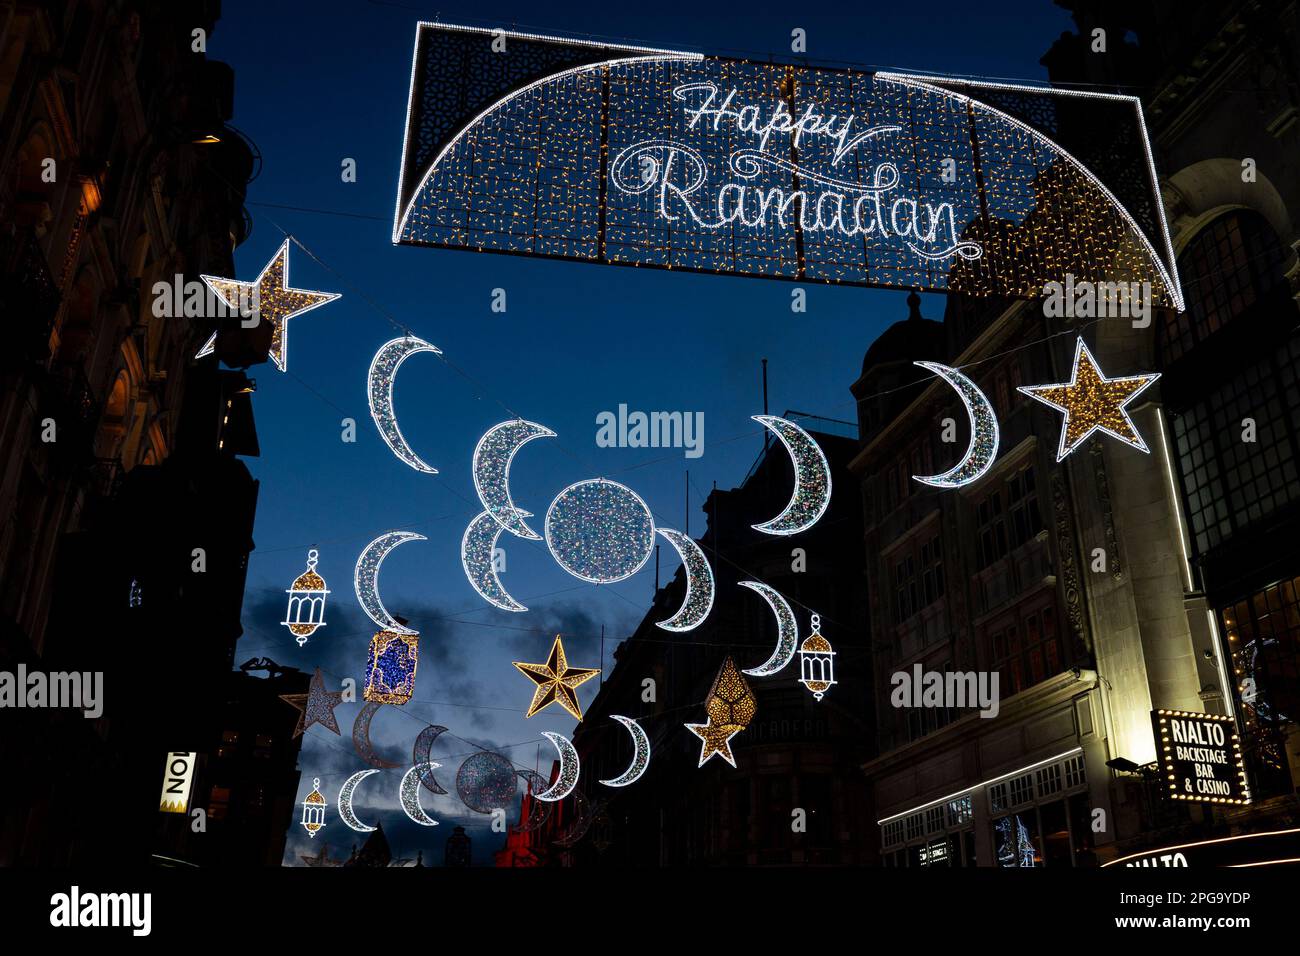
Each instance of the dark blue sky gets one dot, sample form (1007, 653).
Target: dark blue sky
(318, 82)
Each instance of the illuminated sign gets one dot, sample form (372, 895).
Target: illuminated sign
(1272, 848)
(1200, 757)
(621, 155)
(178, 777)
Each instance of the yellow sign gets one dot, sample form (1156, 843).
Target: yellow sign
(178, 776)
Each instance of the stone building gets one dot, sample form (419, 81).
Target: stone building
(1113, 583)
(118, 171)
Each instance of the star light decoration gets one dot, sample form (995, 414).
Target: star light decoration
(556, 681)
(730, 706)
(1092, 402)
(274, 301)
(316, 706)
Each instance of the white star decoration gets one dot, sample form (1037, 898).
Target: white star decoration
(274, 301)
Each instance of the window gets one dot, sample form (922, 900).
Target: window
(992, 529)
(1263, 632)
(1229, 485)
(1022, 507)
(1227, 267)
(1008, 517)
(1045, 829)
(1027, 650)
(932, 570)
(905, 593)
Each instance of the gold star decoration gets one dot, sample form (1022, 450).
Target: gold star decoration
(273, 301)
(730, 706)
(1092, 402)
(315, 707)
(555, 681)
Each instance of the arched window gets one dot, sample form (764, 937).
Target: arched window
(1230, 265)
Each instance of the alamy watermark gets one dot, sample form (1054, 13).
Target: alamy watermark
(626, 429)
(75, 690)
(1098, 300)
(950, 689)
(195, 300)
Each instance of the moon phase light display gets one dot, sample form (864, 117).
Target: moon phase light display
(379, 391)
(570, 766)
(410, 795)
(812, 479)
(600, 531)
(640, 756)
(983, 446)
(492, 459)
(787, 630)
(346, 793)
(699, 584)
(365, 579)
(486, 781)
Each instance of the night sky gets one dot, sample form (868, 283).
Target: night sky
(322, 81)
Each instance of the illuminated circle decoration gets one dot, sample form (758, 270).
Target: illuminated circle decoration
(486, 782)
(641, 756)
(365, 579)
(539, 810)
(570, 766)
(812, 479)
(699, 584)
(410, 794)
(420, 757)
(346, 813)
(379, 391)
(600, 531)
(984, 438)
(271, 299)
(492, 459)
(361, 737)
(787, 630)
(1092, 402)
(477, 547)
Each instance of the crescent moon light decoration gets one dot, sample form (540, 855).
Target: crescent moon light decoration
(584, 814)
(420, 757)
(787, 630)
(366, 578)
(540, 810)
(640, 760)
(410, 793)
(570, 766)
(699, 584)
(492, 458)
(346, 813)
(983, 447)
(477, 547)
(379, 389)
(361, 737)
(812, 479)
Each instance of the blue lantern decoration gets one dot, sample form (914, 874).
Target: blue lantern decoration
(390, 670)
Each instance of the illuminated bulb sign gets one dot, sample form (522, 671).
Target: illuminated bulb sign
(178, 777)
(1267, 848)
(1200, 757)
(623, 155)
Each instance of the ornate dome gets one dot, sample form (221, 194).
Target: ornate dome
(911, 339)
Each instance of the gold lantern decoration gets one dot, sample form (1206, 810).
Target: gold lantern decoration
(816, 661)
(313, 810)
(306, 610)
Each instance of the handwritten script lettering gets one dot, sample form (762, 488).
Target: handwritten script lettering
(825, 201)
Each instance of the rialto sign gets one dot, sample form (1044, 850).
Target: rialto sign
(1200, 757)
(624, 155)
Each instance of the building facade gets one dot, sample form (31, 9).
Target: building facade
(1113, 583)
(794, 797)
(119, 465)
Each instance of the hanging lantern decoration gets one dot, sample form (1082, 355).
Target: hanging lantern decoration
(816, 661)
(306, 610)
(313, 810)
(390, 670)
